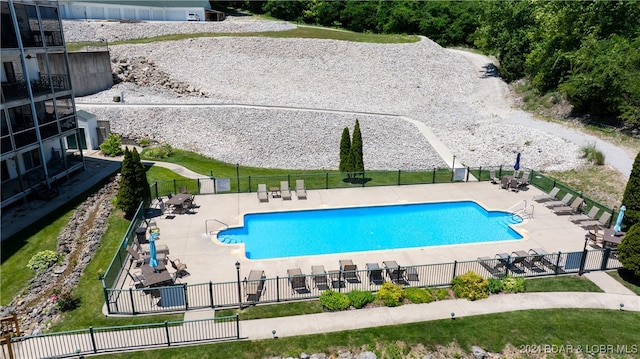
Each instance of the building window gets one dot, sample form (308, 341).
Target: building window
(9, 38)
(49, 130)
(51, 26)
(68, 123)
(5, 127)
(31, 159)
(25, 138)
(64, 106)
(21, 118)
(29, 25)
(45, 112)
(5, 171)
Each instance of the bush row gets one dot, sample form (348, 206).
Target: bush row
(470, 286)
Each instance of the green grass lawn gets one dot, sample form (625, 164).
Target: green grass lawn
(492, 332)
(567, 283)
(89, 289)
(627, 279)
(301, 32)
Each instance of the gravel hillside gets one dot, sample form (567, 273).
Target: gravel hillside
(421, 80)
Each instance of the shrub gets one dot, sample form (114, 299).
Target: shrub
(592, 154)
(470, 286)
(65, 300)
(418, 295)
(334, 301)
(111, 146)
(42, 260)
(159, 152)
(390, 294)
(631, 197)
(494, 285)
(513, 285)
(630, 250)
(441, 294)
(145, 142)
(359, 298)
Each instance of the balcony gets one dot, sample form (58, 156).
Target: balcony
(18, 89)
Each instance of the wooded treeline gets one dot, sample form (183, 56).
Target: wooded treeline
(588, 51)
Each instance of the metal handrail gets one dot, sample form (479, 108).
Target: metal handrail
(206, 225)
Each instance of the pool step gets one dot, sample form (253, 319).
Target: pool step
(228, 240)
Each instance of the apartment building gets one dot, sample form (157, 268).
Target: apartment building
(40, 141)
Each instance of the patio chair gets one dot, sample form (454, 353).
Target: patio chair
(524, 179)
(596, 240)
(375, 274)
(135, 257)
(537, 255)
(575, 207)
(137, 278)
(591, 216)
(254, 285)
(547, 197)
(519, 257)
(301, 192)
(297, 280)
(349, 270)
(412, 274)
(319, 277)
(180, 268)
(495, 270)
(395, 273)
(563, 202)
(285, 192)
(514, 185)
(492, 177)
(263, 196)
(601, 222)
(504, 183)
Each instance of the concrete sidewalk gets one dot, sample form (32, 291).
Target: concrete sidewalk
(615, 294)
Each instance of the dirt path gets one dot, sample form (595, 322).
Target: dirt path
(493, 98)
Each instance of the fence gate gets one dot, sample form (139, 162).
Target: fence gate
(206, 186)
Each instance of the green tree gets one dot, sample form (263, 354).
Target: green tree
(356, 149)
(631, 197)
(345, 152)
(133, 184)
(630, 250)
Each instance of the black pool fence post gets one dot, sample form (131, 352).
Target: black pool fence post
(237, 326)
(166, 330)
(186, 296)
(433, 175)
(605, 258)
(326, 181)
(175, 186)
(455, 267)
(500, 172)
(211, 294)
(398, 177)
(469, 170)
(557, 263)
(277, 288)
(507, 266)
(363, 175)
(93, 341)
(133, 307)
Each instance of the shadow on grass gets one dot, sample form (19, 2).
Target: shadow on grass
(629, 277)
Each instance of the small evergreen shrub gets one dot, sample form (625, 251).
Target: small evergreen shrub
(42, 260)
(418, 295)
(441, 294)
(390, 294)
(159, 152)
(65, 300)
(359, 298)
(112, 146)
(513, 285)
(470, 286)
(334, 301)
(494, 285)
(145, 142)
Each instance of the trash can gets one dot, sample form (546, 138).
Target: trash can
(141, 233)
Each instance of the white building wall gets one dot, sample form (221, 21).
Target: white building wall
(96, 11)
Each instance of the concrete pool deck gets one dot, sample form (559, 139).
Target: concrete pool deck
(208, 260)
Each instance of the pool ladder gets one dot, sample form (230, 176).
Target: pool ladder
(521, 209)
(215, 231)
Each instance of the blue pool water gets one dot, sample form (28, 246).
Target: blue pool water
(325, 231)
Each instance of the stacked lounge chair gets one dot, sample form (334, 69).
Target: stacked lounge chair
(573, 208)
(319, 277)
(349, 270)
(563, 202)
(297, 280)
(301, 192)
(601, 222)
(284, 190)
(395, 272)
(551, 196)
(591, 216)
(263, 196)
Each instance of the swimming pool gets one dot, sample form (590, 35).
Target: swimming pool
(325, 231)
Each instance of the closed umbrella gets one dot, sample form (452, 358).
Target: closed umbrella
(617, 228)
(517, 165)
(153, 261)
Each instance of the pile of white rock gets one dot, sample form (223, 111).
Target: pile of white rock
(372, 82)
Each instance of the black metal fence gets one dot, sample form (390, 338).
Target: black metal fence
(327, 180)
(77, 343)
(183, 297)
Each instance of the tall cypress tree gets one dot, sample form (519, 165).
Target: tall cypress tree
(345, 152)
(631, 197)
(133, 184)
(356, 149)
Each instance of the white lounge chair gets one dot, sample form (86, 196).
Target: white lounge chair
(263, 196)
(284, 190)
(301, 192)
